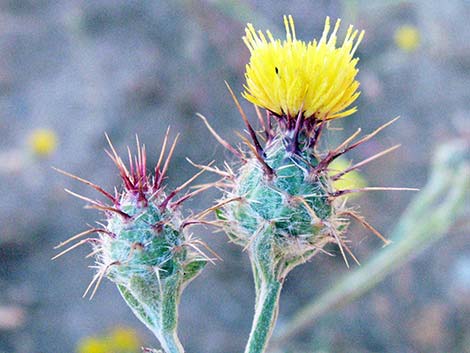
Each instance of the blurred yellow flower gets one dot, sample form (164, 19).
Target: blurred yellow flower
(315, 78)
(407, 38)
(42, 142)
(351, 180)
(124, 340)
(119, 340)
(93, 345)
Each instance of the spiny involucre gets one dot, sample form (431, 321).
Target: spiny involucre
(144, 247)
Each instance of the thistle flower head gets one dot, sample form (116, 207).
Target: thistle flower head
(285, 202)
(145, 237)
(292, 77)
(144, 246)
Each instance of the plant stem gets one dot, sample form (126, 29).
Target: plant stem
(266, 309)
(157, 309)
(170, 342)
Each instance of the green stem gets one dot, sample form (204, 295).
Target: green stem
(170, 342)
(157, 307)
(266, 309)
(169, 316)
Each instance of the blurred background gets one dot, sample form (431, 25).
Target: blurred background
(72, 70)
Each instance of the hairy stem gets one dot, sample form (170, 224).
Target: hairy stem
(170, 342)
(157, 308)
(266, 309)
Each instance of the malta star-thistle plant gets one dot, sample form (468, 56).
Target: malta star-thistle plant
(281, 203)
(144, 247)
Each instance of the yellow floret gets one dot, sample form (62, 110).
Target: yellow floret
(315, 78)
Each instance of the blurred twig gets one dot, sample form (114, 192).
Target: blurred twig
(428, 218)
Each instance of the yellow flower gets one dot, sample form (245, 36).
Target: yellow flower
(315, 78)
(407, 38)
(351, 180)
(124, 340)
(93, 345)
(43, 142)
